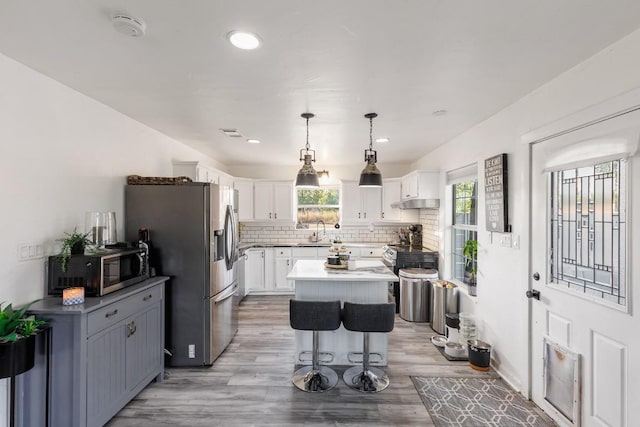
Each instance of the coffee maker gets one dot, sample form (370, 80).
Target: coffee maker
(415, 236)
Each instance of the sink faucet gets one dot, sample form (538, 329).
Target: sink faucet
(324, 230)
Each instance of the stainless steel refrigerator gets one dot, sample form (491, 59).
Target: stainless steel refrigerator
(193, 233)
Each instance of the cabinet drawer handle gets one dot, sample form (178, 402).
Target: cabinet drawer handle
(131, 328)
(147, 298)
(111, 313)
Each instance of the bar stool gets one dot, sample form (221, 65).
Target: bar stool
(367, 318)
(314, 316)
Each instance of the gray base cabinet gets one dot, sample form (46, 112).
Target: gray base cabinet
(104, 352)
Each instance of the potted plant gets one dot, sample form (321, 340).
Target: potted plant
(74, 244)
(17, 339)
(470, 252)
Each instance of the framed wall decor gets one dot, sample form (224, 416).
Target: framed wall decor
(496, 194)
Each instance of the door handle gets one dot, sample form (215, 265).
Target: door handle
(533, 293)
(536, 276)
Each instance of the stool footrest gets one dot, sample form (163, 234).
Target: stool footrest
(328, 359)
(356, 357)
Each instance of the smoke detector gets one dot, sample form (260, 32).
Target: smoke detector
(129, 25)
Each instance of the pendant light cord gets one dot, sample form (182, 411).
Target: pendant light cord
(307, 145)
(371, 133)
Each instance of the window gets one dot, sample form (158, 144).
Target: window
(588, 230)
(318, 205)
(464, 235)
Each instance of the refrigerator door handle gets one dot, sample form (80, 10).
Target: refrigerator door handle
(229, 243)
(234, 221)
(227, 294)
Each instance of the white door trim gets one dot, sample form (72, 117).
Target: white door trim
(613, 107)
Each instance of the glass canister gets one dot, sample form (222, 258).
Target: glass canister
(468, 328)
(101, 227)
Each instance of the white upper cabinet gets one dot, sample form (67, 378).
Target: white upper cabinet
(273, 200)
(420, 185)
(360, 204)
(199, 172)
(391, 193)
(245, 198)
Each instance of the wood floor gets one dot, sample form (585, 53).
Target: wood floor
(250, 383)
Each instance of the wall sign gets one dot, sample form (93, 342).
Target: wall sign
(495, 190)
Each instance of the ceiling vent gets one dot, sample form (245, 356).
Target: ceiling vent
(233, 133)
(129, 25)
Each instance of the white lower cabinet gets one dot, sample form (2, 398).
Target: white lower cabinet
(254, 270)
(266, 270)
(283, 265)
(371, 251)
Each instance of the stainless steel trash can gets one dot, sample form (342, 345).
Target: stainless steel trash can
(414, 293)
(444, 300)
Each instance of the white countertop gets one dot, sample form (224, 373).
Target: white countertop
(365, 271)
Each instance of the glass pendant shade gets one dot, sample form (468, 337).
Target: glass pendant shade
(307, 176)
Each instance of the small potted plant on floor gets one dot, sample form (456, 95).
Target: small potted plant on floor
(17, 339)
(470, 252)
(74, 244)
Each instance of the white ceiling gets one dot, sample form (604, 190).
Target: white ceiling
(338, 59)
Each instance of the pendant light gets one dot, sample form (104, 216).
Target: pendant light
(307, 176)
(370, 175)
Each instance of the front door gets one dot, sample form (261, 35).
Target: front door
(585, 326)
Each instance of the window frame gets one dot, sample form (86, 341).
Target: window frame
(337, 206)
(459, 261)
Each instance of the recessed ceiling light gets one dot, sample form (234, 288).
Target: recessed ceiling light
(244, 40)
(253, 141)
(439, 112)
(382, 140)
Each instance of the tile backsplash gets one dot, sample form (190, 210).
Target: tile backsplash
(377, 233)
(430, 220)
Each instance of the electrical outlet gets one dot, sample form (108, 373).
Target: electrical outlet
(505, 241)
(516, 242)
(29, 251)
(192, 351)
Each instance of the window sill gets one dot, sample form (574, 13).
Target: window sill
(462, 287)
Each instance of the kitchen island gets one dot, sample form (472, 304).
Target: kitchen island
(367, 283)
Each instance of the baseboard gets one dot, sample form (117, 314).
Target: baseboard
(513, 382)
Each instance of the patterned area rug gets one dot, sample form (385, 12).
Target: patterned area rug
(475, 402)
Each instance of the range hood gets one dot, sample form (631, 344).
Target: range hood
(416, 204)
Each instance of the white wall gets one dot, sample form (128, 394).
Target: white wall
(503, 272)
(62, 154)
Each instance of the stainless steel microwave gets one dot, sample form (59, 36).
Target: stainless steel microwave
(99, 273)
